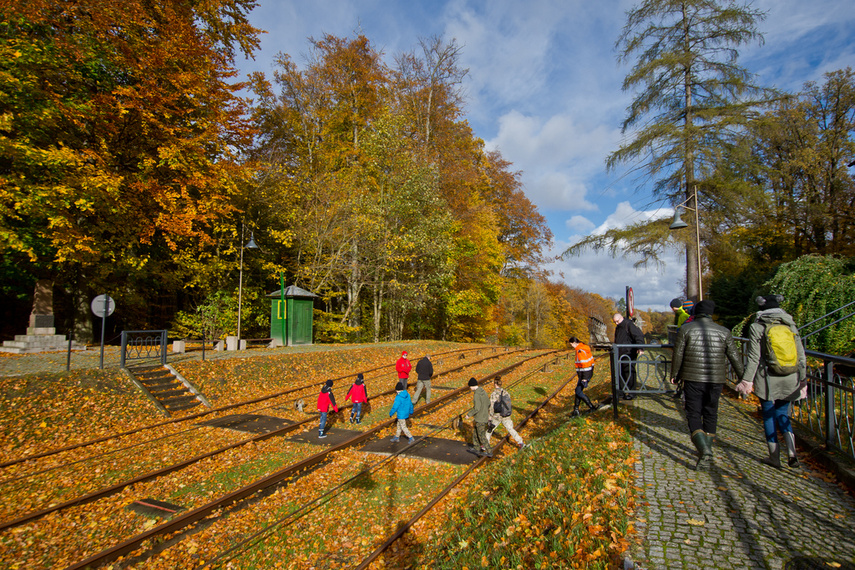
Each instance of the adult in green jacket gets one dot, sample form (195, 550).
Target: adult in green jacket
(480, 413)
(776, 392)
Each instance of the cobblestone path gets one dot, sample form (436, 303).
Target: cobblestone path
(739, 514)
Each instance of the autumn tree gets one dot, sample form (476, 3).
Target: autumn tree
(690, 98)
(120, 139)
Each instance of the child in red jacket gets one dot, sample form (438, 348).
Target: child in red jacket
(403, 367)
(325, 400)
(358, 395)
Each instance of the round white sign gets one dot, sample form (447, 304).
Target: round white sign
(103, 305)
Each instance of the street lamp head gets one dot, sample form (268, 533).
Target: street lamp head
(251, 244)
(678, 222)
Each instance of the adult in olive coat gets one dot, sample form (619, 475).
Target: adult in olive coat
(701, 353)
(776, 393)
(480, 413)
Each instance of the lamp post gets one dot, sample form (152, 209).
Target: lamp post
(250, 245)
(678, 223)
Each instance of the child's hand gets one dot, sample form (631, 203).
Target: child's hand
(335, 408)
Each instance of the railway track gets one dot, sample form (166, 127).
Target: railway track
(82, 511)
(87, 479)
(152, 549)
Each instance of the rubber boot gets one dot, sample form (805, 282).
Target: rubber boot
(790, 441)
(710, 439)
(774, 458)
(699, 438)
(575, 412)
(587, 401)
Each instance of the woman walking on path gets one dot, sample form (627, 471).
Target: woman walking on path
(776, 390)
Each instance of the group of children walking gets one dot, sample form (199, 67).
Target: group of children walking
(488, 412)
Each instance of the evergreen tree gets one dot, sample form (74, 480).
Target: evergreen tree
(690, 99)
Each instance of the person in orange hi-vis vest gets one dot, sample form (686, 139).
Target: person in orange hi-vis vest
(584, 371)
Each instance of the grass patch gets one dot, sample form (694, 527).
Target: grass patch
(564, 503)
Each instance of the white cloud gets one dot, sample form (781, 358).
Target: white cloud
(559, 157)
(580, 225)
(596, 271)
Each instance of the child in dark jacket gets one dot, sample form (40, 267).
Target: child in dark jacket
(325, 401)
(358, 395)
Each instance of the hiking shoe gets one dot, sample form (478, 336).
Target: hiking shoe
(351, 419)
(395, 440)
(595, 407)
(358, 421)
(321, 435)
(793, 461)
(521, 446)
(412, 439)
(575, 413)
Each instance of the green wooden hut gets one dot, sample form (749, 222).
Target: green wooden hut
(291, 318)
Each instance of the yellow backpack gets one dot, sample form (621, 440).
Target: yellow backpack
(782, 357)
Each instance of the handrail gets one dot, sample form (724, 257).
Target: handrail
(826, 316)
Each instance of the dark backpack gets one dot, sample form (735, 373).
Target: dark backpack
(503, 405)
(782, 356)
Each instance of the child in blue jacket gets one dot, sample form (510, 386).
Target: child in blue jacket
(403, 406)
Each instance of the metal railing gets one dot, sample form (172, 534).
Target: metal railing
(142, 345)
(828, 412)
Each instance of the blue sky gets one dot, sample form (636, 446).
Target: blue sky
(544, 88)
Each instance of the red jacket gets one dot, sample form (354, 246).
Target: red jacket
(325, 400)
(403, 367)
(357, 394)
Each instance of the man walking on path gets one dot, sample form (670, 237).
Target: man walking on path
(403, 367)
(424, 372)
(774, 385)
(701, 353)
(584, 371)
(480, 413)
(626, 332)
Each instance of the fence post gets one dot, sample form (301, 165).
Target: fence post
(613, 365)
(830, 417)
(163, 347)
(124, 346)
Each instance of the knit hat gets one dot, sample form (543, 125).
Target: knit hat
(359, 378)
(688, 306)
(705, 307)
(328, 383)
(676, 303)
(404, 353)
(399, 386)
(770, 301)
(472, 382)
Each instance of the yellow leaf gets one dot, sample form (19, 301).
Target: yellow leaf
(695, 522)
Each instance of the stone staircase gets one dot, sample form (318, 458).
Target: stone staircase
(166, 388)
